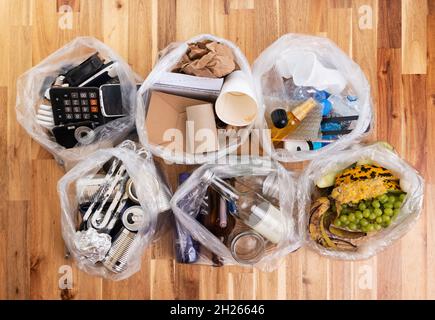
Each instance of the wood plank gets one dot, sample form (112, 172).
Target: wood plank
(141, 49)
(4, 38)
(46, 246)
(364, 30)
(430, 175)
(414, 36)
(167, 18)
(17, 254)
(390, 112)
(18, 141)
(414, 242)
(390, 24)
(115, 25)
(162, 279)
(314, 276)
(90, 21)
(302, 16)
(135, 287)
(339, 28)
(3, 266)
(241, 286)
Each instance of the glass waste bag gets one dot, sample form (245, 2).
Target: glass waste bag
(113, 205)
(316, 99)
(198, 103)
(240, 213)
(79, 99)
(357, 202)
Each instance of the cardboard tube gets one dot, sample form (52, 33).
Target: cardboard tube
(201, 133)
(236, 104)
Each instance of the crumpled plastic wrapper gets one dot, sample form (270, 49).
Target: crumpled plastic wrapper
(207, 59)
(92, 245)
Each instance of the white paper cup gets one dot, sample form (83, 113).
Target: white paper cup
(236, 104)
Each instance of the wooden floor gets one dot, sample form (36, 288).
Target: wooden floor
(392, 40)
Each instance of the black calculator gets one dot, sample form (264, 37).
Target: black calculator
(73, 104)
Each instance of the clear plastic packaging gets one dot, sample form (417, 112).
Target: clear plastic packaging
(114, 255)
(410, 182)
(280, 55)
(33, 85)
(169, 57)
(190, 196)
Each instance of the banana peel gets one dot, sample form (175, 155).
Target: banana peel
(319, 226)
(342, 233)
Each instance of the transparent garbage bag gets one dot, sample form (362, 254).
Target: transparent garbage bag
(168, 58)
(33, 85)
(379, 153)
(190, 196)
(287, 56)
(102, 247)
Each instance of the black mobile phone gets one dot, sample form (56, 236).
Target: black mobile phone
(111, 101)
(84, 70)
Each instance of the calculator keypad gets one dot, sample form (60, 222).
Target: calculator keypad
(72, 105)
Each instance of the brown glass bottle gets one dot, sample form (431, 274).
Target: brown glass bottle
(215, 223)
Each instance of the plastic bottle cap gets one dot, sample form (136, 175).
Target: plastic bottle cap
(279, 118)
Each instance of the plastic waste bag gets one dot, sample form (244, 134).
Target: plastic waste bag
(34, 109)
(364, 164)
(168, 60)
(262, 242)
(316, 64)
(112, 206)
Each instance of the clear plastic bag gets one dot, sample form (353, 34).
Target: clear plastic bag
(33, 85)
(169, 57)
(410, 182)
(91, 249)
(269, 83)
(188, 199)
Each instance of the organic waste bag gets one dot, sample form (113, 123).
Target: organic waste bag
(297, 67)
(259, 239)
(126, 199)
(379, 197)
(174, 63)
(33, 104)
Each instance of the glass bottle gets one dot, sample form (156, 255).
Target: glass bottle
(250, 207)
(283, 122)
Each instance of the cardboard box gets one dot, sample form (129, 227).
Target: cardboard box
(167, 111)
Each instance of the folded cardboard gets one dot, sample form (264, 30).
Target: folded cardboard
(201, 133)
(167, 111)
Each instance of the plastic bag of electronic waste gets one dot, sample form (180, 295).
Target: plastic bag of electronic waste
(198, 103)
(357, 202)
(113, 204)
(316, 99)
(79, 99)
(241, 212)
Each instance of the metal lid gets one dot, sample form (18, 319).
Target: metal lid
(135, 218)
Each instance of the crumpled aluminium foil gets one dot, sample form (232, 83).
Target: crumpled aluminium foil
(93, 246)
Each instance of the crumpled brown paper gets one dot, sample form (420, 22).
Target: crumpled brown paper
(207, 59)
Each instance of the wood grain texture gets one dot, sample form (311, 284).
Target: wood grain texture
(396, 50)
(414, 36)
